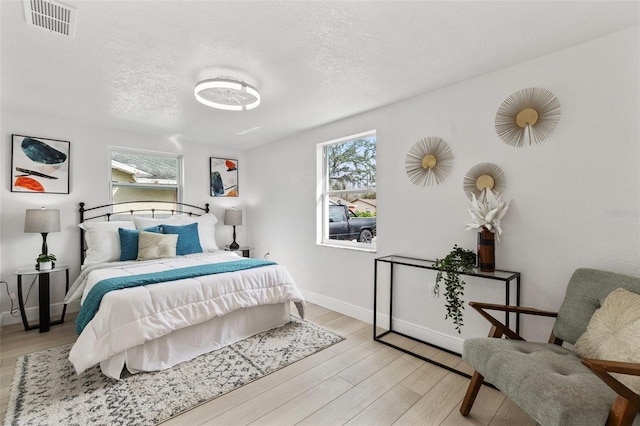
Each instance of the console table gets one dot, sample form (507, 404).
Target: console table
(509, 278)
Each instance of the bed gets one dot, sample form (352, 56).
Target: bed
(155, 289)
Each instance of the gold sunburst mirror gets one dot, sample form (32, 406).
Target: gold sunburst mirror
(483, 176)
(429, 161)
(527, 116)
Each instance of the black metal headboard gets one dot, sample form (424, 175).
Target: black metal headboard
(108, 210)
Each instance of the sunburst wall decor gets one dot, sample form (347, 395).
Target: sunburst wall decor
(429, 161)
(528, 115)
(482, 176)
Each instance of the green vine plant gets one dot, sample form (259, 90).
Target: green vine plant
(449, 268)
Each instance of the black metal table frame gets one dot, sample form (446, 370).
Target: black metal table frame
(44, 308)
(406, 261)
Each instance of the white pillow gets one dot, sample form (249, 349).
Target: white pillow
(103, 240)
(156, 246)
(206, 229)
(147, 222)
(613, 333)
(206, 226)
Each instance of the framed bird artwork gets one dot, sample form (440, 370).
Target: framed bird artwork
(224, 177)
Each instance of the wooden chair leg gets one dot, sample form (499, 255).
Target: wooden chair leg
(622, 413)
(472, 392)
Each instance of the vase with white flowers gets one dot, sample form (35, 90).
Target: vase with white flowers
(486, 212)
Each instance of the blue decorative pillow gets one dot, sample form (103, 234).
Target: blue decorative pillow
(129, 241)
(188, 239)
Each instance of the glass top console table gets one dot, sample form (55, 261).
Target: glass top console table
(509, 278)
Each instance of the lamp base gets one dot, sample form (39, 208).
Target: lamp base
(234, 245)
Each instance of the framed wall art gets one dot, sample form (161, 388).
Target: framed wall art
(39, 165)
(224, 177)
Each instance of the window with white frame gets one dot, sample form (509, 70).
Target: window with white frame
(145, 176)
(347, 209)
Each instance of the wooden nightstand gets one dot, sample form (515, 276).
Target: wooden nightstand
(43, 290)
(244, 249)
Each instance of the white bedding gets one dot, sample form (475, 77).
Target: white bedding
(130, 317)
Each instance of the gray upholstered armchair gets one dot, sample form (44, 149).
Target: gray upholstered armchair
(552, 383)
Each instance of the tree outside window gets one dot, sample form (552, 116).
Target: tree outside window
(348, 170)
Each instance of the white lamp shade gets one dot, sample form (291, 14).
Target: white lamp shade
(42, 221)
(233, 217)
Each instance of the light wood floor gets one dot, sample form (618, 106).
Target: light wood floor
(356, 382)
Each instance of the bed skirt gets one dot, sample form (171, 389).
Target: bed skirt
(187, 343)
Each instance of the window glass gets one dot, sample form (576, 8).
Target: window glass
(347, 210)
(145, 176)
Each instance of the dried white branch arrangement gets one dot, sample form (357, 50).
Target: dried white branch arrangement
(487, 210)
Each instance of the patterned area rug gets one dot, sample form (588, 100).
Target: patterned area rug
(47, 391)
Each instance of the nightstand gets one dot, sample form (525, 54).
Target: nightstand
(244, 249)
(43, 290)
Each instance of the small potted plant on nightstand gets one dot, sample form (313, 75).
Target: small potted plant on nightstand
(45, 262)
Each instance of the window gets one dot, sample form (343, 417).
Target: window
(144, 176)
(347, 192)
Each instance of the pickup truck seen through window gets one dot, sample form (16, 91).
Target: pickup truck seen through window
(345, 225)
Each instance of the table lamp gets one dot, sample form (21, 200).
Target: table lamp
(42, 221)
(233, 217)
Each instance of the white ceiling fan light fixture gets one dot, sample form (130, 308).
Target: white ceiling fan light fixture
(227, 93)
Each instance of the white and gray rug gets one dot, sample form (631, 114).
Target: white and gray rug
(47, 391)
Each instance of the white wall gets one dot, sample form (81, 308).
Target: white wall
(576, 196)
(90, 171)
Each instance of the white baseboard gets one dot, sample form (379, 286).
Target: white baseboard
(435, 337)
(430, 335)
(339, 306)
(33, 314)
(426, 334)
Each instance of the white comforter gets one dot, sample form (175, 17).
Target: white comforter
(132, 316)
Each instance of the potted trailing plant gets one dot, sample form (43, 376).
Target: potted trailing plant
(449, 268)
(45, 261)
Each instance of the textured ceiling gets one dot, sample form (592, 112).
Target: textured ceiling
(132, 65)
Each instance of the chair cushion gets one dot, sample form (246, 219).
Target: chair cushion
(547, 381)
(614, 333)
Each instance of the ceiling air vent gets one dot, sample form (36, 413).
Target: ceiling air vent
(51, 15)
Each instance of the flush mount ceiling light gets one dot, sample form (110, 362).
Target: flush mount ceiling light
(227, 93)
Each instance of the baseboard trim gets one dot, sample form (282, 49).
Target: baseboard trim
(33, 313)
(339, 306)
(426, 334)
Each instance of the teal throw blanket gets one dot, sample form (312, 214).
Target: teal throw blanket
(92, 302)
